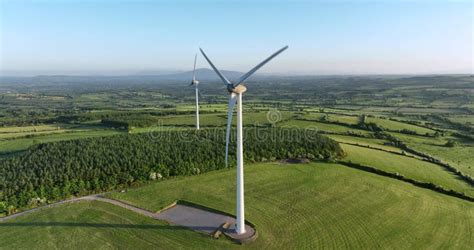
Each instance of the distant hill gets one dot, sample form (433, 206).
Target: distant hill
(202, 74)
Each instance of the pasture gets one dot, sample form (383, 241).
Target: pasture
(313, 205)
(412, 168)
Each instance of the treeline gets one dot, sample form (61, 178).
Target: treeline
(53, 171)
(117, 115)
(127, 122)
(364, 125)
(426, 157)
(398, 176)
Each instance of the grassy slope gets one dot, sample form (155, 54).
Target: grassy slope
(334, 118)
(324, 205)
(409, 167)
(372, 142)
(220, 119)
(28, 129)
(87, 225)
(24, 143)
(321, 126)
(460, 156)
(395, 125)
(294, 206)
(190, 120)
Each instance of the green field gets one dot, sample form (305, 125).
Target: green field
(460, 156)
(220, 119)
(410, 167)
(396, 125)
(371, 142)
(351, 120)
(293, 206)
(24, 129)
(7, 146)
(334, 128)
(93, 225)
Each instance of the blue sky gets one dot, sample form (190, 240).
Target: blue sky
(325, 37)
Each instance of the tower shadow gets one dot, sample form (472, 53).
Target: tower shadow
(97, 225)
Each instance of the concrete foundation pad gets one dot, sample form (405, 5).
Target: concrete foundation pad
(205, 221)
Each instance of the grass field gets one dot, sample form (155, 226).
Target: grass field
(395, 125)
(409, 167)
(26, 134)
(314, 205)
(7, 146)
(461, 156)
(37, 128)
(351, 120)
(372, 142)
(464, 119)
(190, 120)
(295, 206)
(94, 224)
(321, 126)
(220, 119)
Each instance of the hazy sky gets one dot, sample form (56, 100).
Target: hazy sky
(353, 37)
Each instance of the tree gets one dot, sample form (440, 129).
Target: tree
(450, 143)
(3, 206)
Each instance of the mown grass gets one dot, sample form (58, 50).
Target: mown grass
(8, 146)
(396, 125)
(460, 156)
(31, 133)
(92, 225)
(409, 167)
(19, 129)
(350, 120)
(190, 120)
(322, 205)
(371, 142)
(322, 126)
(294, 206)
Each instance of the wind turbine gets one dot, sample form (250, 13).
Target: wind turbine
(236, 91)
(196, 83)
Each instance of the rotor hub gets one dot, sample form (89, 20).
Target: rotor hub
(239, 89)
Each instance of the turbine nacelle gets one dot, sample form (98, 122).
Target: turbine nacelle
(238, 90)
(194, 82)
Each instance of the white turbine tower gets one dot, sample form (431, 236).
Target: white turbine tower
(196, 83)
(236, 91)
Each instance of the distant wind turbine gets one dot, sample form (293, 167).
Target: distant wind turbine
(236, 91)
(196, 83)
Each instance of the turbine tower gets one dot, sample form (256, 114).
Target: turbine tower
(236, 91)
(196, 83)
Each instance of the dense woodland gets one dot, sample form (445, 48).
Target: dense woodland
(54, 171)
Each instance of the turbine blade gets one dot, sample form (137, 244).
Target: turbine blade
(194, 70)
(230, 111)
(248, 74)
(226, 82)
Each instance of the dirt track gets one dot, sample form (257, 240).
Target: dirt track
(95, 197)
(182, 215)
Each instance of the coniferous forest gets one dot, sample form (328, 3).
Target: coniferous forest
(53, 171)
